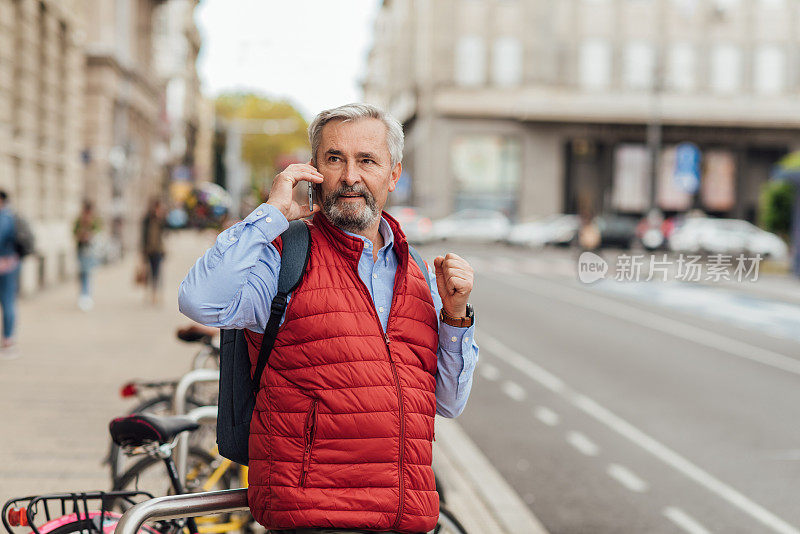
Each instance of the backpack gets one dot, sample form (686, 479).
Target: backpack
(24, 241)
(237, 388)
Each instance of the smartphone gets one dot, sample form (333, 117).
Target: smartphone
(310, 196)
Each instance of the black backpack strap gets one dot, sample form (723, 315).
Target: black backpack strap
(421, 264)
(294, 259)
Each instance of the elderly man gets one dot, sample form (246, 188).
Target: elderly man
(367, 353)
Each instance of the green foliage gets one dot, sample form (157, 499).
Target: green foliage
(775, 207)
(261, 151)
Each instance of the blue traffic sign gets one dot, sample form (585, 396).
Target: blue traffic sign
(687, 167)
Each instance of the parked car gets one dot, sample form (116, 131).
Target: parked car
(552, 230)
(473, 224)
(418, 229)
(726, 236)
(616, 231)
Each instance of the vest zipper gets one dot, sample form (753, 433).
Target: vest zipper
(309, 433)
(402, 428)
(387, 342)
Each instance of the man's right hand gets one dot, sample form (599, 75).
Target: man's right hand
(280, 196)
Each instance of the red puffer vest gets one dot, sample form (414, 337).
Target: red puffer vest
(343, 424)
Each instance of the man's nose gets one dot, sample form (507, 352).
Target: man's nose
(351, 175)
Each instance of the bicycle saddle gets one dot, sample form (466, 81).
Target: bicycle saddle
(137, 429)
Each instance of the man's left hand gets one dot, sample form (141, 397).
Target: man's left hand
(454, 281)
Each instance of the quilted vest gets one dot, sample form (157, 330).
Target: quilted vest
(343, 423)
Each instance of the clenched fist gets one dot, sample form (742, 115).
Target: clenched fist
(454, 282)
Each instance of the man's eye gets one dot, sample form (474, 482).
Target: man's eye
(333, 158)
(368, 161)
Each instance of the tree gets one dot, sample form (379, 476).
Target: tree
(775, 213)
(262, 151)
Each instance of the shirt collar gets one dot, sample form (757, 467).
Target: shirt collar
(386, 233)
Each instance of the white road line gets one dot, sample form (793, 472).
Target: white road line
(582, 443)
(627, 478)
(514, 390)
(625, 429)
(546, 416)
(489, 371)
(685, 521)
(658, 322)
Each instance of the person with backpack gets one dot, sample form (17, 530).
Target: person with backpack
(9, 277)
(370, 347)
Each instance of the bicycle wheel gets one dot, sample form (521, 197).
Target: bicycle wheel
(448, 524)
(92, 525)
(158, 405)
(150, 474)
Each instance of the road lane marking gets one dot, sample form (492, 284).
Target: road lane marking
(546, 416)
(657, 322)
(514, 390)
(489, 371)
(685, 521)
(582, 443)
(625, 429)
(627, 478)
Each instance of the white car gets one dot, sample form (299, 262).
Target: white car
(418, 229)
(552, 230)
(473, 224)
(726, 236)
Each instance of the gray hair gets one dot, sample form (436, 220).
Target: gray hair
(352, 112)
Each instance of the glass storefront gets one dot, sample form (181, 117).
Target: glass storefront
(487, 171)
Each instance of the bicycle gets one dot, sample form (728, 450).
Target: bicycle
(138, 434)
(156, 396)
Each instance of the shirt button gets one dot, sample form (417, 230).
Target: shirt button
(233, 238)
(268, 219)
(380, 309)
(375, 276)
(454, 339)
(259, 212)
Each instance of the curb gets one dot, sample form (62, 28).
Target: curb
(476, 492)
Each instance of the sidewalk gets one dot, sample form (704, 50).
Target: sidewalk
(56, 400)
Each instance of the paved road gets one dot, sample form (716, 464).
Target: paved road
(636, 408)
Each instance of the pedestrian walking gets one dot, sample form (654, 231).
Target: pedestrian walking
(9, 278)
(153, 228)
(367, 352)
(85, 230)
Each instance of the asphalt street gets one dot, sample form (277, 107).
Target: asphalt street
(635, 407)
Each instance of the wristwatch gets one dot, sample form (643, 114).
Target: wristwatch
(461, 322)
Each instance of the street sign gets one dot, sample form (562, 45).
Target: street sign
(687, 167)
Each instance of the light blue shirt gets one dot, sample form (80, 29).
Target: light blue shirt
(233, 283)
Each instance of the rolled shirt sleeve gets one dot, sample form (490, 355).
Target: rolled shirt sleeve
(457, 357)
(232, 284)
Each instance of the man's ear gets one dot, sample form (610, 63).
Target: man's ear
(398, 169)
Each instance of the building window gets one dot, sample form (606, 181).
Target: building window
(487, 170)
(769, 74)
(726, 69)
(639, 65)
(681, 68)
(507, 61)
(470, 62)
(595, 64)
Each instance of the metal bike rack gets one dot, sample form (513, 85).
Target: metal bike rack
(179, 403)
(178, 506)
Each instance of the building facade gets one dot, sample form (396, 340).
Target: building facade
(124, 115)
(41, 127)
(537, 107)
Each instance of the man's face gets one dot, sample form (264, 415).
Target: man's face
(353, 158)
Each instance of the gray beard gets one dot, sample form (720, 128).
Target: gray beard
(351, 218)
